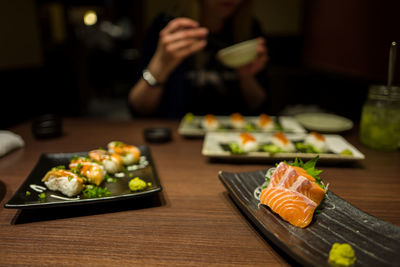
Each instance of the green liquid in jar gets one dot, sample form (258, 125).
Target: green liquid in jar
(380, 127)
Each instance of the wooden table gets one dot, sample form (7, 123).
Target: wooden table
(192, 221)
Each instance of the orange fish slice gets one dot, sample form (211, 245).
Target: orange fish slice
(292, 206)
(300, 188)
(297, 179)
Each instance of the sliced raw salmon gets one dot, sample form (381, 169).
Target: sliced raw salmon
(292, 206)
(293, 194)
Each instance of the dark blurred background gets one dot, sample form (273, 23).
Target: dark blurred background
(78, 57)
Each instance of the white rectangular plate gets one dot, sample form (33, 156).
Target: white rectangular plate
(194, 128)
(212, 147)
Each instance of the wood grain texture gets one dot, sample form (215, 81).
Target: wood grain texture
(191, 222)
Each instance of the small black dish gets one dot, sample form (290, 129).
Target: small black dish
(47, 126)
(157, 135)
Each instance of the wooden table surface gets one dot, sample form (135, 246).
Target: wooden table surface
(192, 221)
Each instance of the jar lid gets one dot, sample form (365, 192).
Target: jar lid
(383, 92)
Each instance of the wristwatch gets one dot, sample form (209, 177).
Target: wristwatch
(150, 79)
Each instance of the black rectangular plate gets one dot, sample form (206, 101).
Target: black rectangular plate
(119, 190)
(376, 243)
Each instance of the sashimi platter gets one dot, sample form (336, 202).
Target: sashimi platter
(292, 206)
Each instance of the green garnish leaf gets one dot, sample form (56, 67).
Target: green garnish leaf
(118, 143)
(273, 149)
(306, 148)
(76, 157)
(59, 167)
(27, 193)
(250, 127)
(235, 148)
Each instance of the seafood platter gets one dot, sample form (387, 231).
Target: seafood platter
(121, 171)
(198, 126)
(278, 145)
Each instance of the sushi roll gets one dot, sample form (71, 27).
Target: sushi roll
(130, 154)
(93, 171)
(111, 162)
(210, 122)
(280, 140)
(317, 141)
(237, 121)
(67, 182)
(265, 122)
(248, 142)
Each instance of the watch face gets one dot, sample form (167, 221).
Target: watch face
(149, 78)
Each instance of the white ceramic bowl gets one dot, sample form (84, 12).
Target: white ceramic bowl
(238, 54)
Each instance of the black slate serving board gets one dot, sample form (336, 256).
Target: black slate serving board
(376, 243)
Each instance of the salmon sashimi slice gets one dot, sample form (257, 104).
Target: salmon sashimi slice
(293, 194)
(282, 168)
(297, 179)
(292, 206)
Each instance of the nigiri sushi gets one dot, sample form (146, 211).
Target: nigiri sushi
(247, 142)
(111, 162)
(280, 140)
(237, 121)
(65, 181)
(265, 122)
(130, 154)
(93, 171)
(293, 194)
(318, 142)
(210, 122)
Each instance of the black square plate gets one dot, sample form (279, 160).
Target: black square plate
(119, 188)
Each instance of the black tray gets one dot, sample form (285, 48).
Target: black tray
(119, 189)
(376, 243)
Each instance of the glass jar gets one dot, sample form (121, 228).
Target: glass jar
(380, 118)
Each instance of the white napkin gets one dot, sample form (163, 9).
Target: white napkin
(9, 141)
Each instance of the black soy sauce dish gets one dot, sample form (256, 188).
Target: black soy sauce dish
(47, 126)
(157, 135)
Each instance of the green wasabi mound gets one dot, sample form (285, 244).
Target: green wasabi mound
(137, 184)
(347, 152)
(341, 255)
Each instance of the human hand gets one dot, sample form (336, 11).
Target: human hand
(181, 38)
(258, 63)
